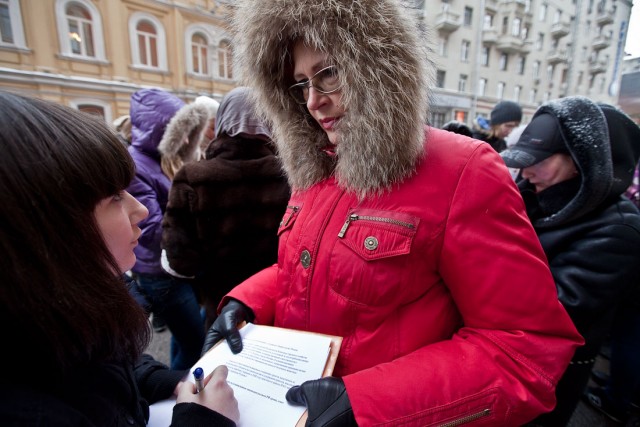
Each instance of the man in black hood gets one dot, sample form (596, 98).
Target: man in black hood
(577, 158)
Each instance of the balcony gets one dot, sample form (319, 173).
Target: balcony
(605, 16)
(597, 66)
(489, 36)
(560, 29)
(601, 42)
(557, 56)
(511, 44)
(491, 5)
(447, 22)
(515, 6)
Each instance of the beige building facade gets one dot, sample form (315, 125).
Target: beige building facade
(93, 54)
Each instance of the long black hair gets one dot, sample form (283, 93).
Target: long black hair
(59, 295)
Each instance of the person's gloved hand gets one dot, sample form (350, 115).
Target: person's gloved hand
(226, 326)
(326, 400)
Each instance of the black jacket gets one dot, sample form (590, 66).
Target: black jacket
(588, 230)
(105, 395)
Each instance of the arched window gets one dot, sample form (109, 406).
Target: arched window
(224, 60)
(80, 29)
(11, 31)
(199, 54)
(94, 107)
(147, 37)
(147, 43)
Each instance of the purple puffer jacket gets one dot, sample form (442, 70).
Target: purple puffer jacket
(151, 110)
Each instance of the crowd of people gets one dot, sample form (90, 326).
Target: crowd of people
(318, 198)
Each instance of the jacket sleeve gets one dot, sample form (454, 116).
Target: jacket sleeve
(501, 367)
(179, 234)
(151, 226)
(597, 270)
(258, 292)
(192, 414)
(155, 380)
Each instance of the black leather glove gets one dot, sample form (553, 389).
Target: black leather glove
(226, 326)
(326, 400)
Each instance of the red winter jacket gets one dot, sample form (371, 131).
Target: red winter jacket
(439, 287)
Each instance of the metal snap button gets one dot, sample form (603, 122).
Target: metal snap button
(371, 243)
(305, 258)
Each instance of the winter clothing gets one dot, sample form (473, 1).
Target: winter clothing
(457, 127)
(151, 111)
(411, 243)
(540, 140)
(223, 212)
(102, 395)
(590, 234)
(506, 111)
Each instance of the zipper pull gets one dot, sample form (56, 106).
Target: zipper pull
(343, 230)
(294, 209)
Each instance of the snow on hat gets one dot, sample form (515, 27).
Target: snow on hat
(539, 140)
(506, 111)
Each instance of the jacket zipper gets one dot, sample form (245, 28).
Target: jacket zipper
(294, 209)
(468, 418)
(355, 217)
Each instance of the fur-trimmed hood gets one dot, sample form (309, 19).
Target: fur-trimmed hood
(386, 73)
(188, 124)
(605, 145)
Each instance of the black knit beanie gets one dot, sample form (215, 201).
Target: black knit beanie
(506, 111)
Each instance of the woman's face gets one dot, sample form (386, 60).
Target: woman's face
(504, 129)
(210, 130)
(117, 218)
(326, 109)
(551, 171)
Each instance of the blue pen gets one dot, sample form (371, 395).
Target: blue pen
(198, 375)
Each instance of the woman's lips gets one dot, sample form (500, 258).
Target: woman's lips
(327, 124)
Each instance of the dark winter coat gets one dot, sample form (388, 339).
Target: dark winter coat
(151, 110)
(496, 143)
(589, 232)
(104, 395)
(223, 213)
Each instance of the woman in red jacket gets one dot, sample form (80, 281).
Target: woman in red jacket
(410, 242)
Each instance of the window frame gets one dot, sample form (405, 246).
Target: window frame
(17, 29)
(161, 42)
(96, 30)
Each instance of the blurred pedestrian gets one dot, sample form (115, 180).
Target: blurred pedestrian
(505, 116)
(577, 159)
(410, 242)
(171, 299)
(122, 126)
(222, 218)
(457, 127)
(73, 334)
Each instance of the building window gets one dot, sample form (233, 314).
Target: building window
(546, 97)
(532, 96)
(542, 12)
(440, 75)
(515, 27)
(464, 50)
(199, 54)
(93, 107)
(527, 6)
(516, 93)
(11, 31)
(468, 16)
(443, 43)
(525, 32)
(557, 16)
(148, 41)
(505, 25)
(504, 61)
(540, 41)
(438, 119)
(484, 55)
(80, 29)
(500, 90)
(550, 72)
(460, 116)
(462, 83)
(482, 87)
(521, 64)
(224, 60)
(536, 69)
(94, 110)
(487, 23)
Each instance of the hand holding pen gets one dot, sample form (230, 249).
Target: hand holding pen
(215, 393)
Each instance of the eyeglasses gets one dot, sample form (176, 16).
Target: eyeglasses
(324, 81)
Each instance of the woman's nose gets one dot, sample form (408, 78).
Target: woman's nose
(315, 100)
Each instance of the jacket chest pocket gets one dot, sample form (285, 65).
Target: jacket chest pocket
(371, 260)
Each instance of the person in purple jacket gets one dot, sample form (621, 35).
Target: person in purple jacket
(171, 298)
